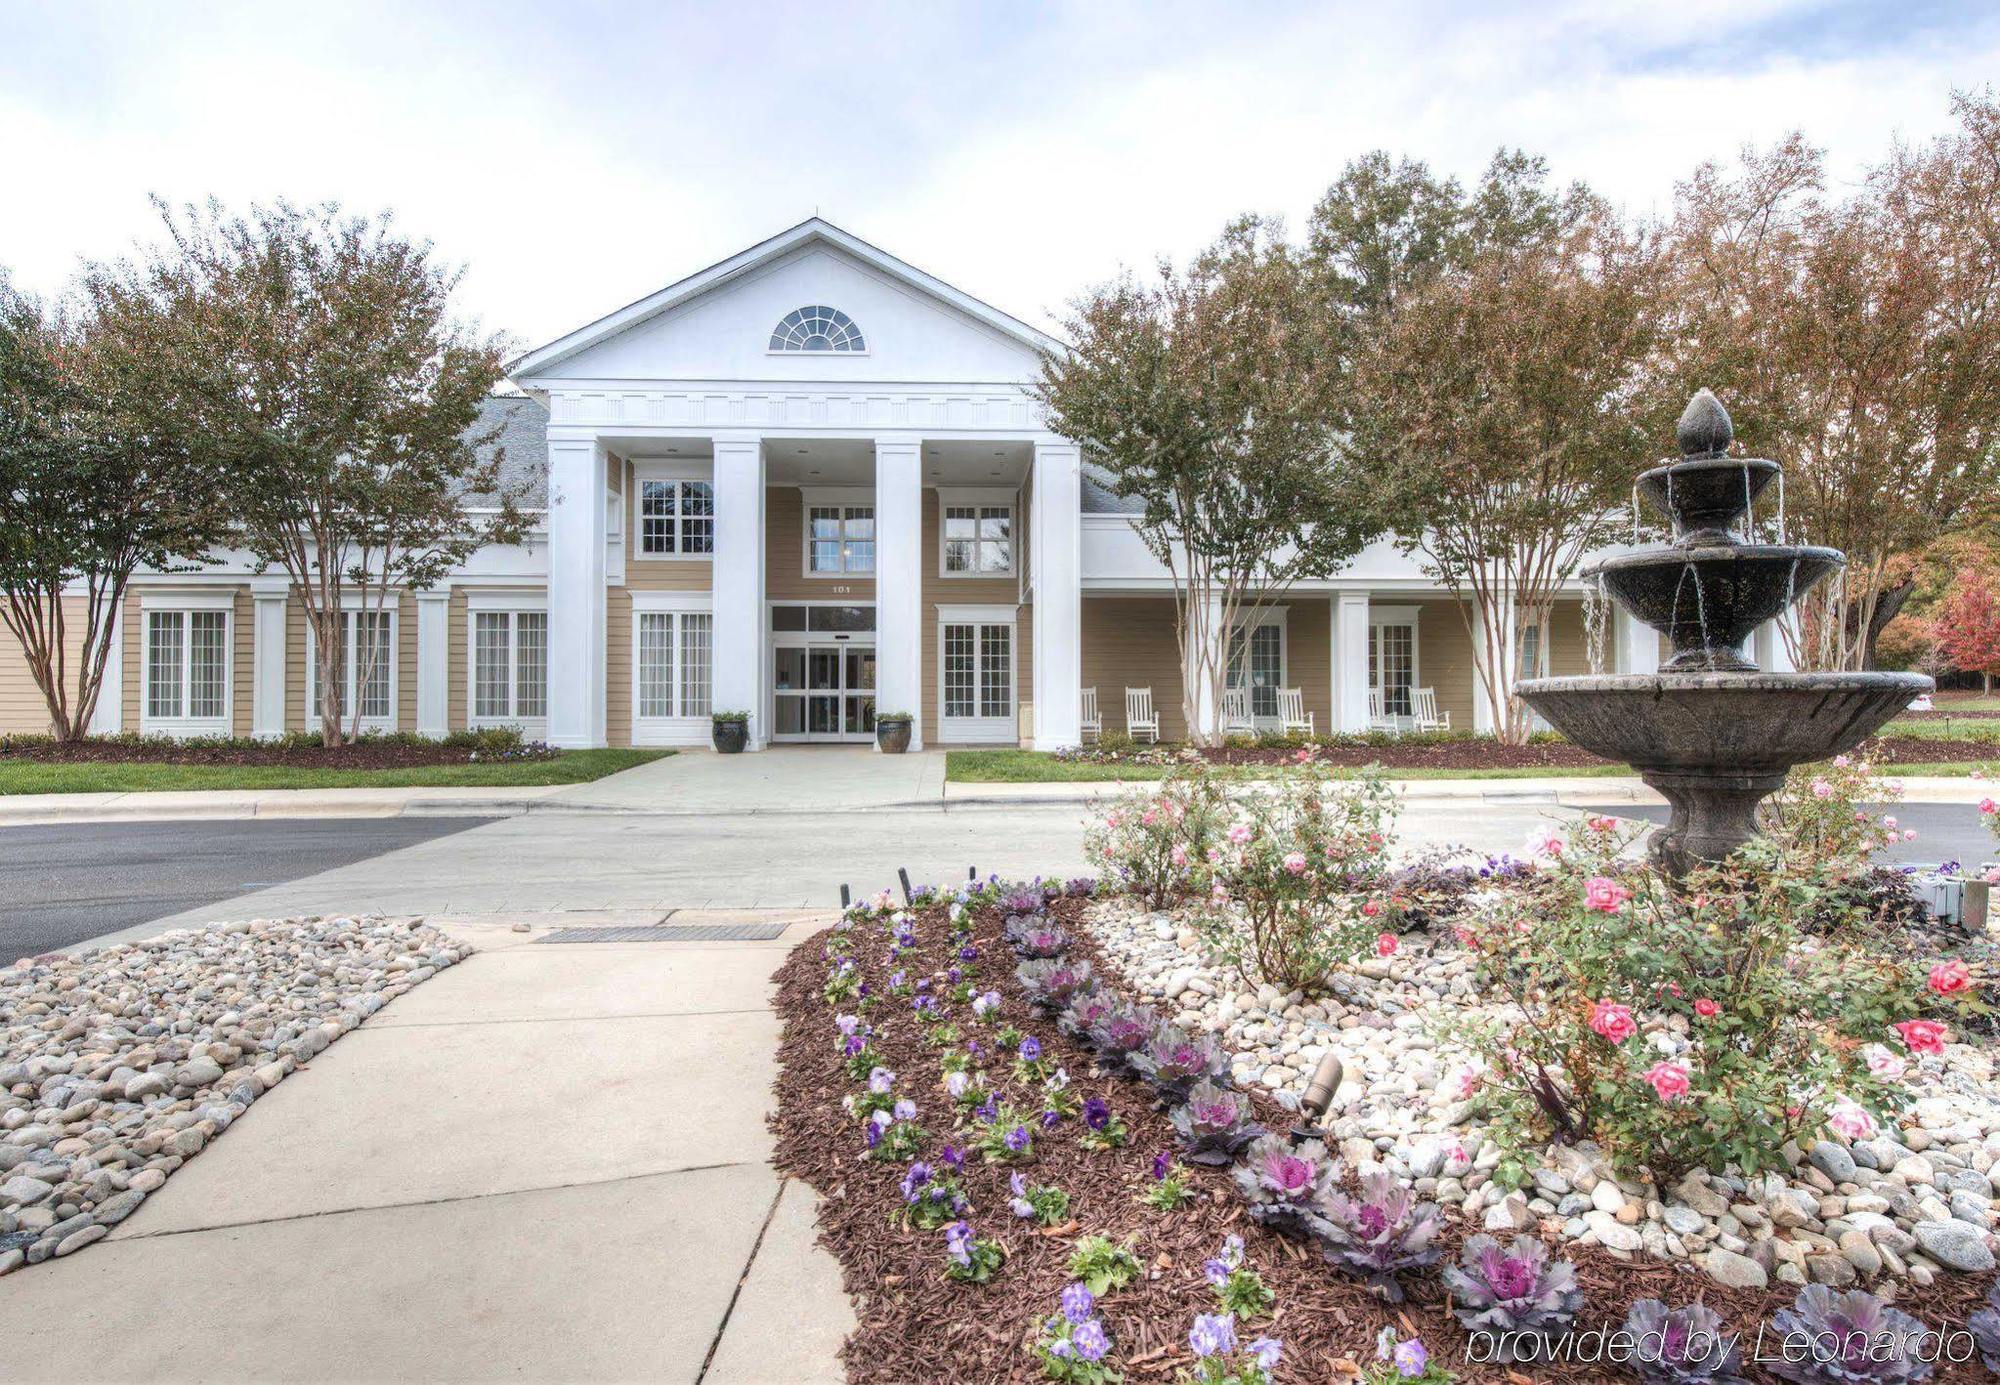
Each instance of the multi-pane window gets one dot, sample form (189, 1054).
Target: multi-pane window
(187, 665)
(817, 328)
(510, 665)
(366, 668)
(675, 665)
(1392, 665)
(1264, 671)
(978, 670)
(840, 538)
(677, 517)
(1532, 657)
(978, 540)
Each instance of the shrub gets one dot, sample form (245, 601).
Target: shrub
(1381, 1234)
(1102, 1265)
(1155, 841)
(1690, 1027)
(1846, 1337)
(1298, 885)
(1515, 1294)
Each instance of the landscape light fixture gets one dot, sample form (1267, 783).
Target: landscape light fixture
(1319, 1096)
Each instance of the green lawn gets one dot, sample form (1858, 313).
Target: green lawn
(1039, 767)
(573, 767)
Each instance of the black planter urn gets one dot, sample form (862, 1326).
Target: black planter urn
(731, 736)
(892, 735)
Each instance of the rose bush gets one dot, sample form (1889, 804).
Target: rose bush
(1155, 841)
(1703, 1026)
(1300, 879)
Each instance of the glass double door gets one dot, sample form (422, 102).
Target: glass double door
(824, 690)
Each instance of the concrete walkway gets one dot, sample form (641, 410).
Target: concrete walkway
(783, 779)
(548, 1163)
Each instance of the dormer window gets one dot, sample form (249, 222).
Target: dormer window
(817, 328)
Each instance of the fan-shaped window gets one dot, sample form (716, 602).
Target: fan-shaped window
(817, 329)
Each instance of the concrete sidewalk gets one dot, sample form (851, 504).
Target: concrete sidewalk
(548, 1163)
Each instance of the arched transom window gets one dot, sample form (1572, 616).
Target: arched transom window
(817, 328)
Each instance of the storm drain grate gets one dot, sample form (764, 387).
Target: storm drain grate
(670, 933)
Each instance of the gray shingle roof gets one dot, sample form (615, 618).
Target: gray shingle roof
(523, 441)
(1098, 497)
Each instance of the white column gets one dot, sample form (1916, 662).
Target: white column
(1507, 647)
(740, 639)
(899, 581)
(1056, 567)
(1638, 649)
(434, 663)
(576, 590)
(1350, 661)
(267, 658)
(107, 718)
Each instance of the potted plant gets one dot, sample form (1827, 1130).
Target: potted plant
(892, 732)
(731, 731)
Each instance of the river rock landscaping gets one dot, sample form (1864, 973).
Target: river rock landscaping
(1058, 1127)
(120, 1064)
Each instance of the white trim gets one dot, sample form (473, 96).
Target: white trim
(349, 608)
(1379, 616)
(185, 725)
(979, 730)
(987, 497)
(1393, 615)
(501, 599)
(434, 662)
(695, 601)
(268, 636)
(680, 473)
(171, 599)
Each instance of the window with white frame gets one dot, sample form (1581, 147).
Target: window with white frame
(978, 538)
(187, 669)
(976, 649)
(1392, 664)
(817, 327)
(366, 673)
(676, 518)
(509, 666)
(840, 538)
(673, 667)
(1257, 662)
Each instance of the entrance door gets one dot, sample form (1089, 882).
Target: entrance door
(824, 691)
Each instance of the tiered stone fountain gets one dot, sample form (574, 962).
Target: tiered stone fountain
(1709, 731)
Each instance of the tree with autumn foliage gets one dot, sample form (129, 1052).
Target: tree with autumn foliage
(1210, 395)
(1498, 384)
(1856, 337)
(1968, 629)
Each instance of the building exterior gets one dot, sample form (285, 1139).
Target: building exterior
(807, 482)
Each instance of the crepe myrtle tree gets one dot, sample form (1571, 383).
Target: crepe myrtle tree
(1499, 401)
(1208, 394)
(1857, 333)
(90, 491)
(313, 356)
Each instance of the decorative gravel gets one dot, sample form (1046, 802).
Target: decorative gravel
(916, 1325)
(1912, 1205)
(119, 1065)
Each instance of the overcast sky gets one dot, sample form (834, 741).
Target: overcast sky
(579, 155)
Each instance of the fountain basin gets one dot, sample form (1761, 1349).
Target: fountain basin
(1705, 496)
(1707, 601)
(1715, 744)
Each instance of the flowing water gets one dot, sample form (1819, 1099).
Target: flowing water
(1596, 612)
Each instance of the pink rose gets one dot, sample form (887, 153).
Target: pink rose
(1604, 894)
(1148, 818)
(1239, 834)
(1670, 1080)
(1371, 908)
(1987, 805)
(1707, 1009)
(1602, 824)
(1841, 762)
(1612, 1022)
(1821, 789)
(1179, 854)
(1385, 944)
(1850, 1120)
(1922, 1036)
(1885, 1064)
(1295, 862)
(1950, 977)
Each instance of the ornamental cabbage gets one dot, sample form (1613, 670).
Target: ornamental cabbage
(1382, 1233)
(1682, 1346)
(1214, 1123)
(1515, 1293)
(1283, 1184)
(1853, 1337)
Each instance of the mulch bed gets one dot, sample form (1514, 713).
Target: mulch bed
(1485, 753)
(915, 1325)
(368, 753)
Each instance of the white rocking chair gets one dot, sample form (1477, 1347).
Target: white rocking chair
(1425, 700)
(1292, 714)
(1236, 719)
(1142, 723)
(1379, 720)
(1090, 726)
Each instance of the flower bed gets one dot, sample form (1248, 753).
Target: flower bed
(969, 1189)
(296, 750)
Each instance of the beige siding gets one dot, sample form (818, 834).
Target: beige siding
(458, 698)
(968, 591)
(23, 709)
(785, 576)
(1444, 656)
(130, 711)
(618, 666)
(242, 673)
(657, 574)
(1129, 641)
(1309, 656)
